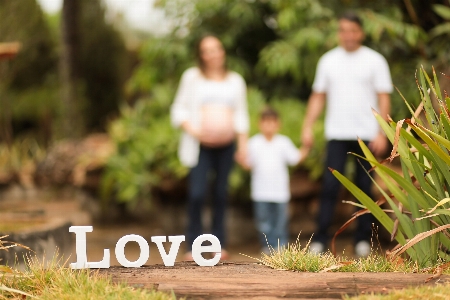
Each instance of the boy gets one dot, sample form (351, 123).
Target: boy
(269, 155)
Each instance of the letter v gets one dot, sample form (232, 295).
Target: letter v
(168, 259)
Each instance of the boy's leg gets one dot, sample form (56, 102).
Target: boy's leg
(261, 212)
(335, 159)
(222, 163)
(198, 182)
(280, 231)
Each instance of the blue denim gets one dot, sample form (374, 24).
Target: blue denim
(219, 161)
(337, 154)
(272, 221)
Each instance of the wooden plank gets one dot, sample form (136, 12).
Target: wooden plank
(230, 280)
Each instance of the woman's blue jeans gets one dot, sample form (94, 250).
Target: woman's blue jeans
(217, 162)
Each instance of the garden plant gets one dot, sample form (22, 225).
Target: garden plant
(418, 198)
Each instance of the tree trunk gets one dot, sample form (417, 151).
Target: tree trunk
(72, 121)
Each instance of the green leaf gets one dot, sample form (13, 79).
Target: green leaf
(433, 146)
(378, 213)
(442, 10)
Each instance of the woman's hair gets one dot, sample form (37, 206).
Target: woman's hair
(198, 54)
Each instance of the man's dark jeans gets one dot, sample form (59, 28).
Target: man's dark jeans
(220, 161)
(337, 154)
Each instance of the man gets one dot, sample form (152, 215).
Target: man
(351, 79)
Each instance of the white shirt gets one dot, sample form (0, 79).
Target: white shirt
(218, 92)
(192, 91)
(269, 161)
(351, 81)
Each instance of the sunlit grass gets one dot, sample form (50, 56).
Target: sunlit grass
(58, 282)
(437, 291)
(296, 257)
(53, 281)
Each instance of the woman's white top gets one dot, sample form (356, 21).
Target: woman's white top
(269, 161)
(196, 91)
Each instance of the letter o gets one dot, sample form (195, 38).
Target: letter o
(144, 251)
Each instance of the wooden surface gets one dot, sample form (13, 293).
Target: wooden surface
(230, 280)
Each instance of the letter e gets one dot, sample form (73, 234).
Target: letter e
(198, 249)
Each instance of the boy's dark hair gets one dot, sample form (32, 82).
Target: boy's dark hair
(352, 17)
(269, 112)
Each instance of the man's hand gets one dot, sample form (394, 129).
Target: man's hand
(316, 104)
(378, 145)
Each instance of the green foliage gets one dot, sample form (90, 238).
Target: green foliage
(23, 21)
(307, 29)
(103, 64)
(28, 83)
(147, 145)
(419, 198)
(276, 45)
(146, 149)
(20, 160)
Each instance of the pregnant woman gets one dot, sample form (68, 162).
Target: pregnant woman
(211, 108)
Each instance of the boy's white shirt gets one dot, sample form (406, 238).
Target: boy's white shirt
(269, 161)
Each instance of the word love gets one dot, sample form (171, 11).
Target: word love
(168, 258)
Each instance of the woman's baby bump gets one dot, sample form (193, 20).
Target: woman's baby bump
(217, 124)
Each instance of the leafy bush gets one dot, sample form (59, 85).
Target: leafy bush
(420, 198)
(18, 162)
(147, 145)
(146, 149)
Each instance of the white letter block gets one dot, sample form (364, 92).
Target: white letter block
(80, 244)
(198, 249)
(120, 251)
(168, 259)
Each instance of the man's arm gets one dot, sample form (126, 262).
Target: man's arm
(316, 104)
(379, 144)
(384, 103)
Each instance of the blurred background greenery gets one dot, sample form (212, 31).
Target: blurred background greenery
(123, 80)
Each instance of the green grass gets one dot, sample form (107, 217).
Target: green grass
(57, 282)
(437, 291)
(54, 281)
(294, 257)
